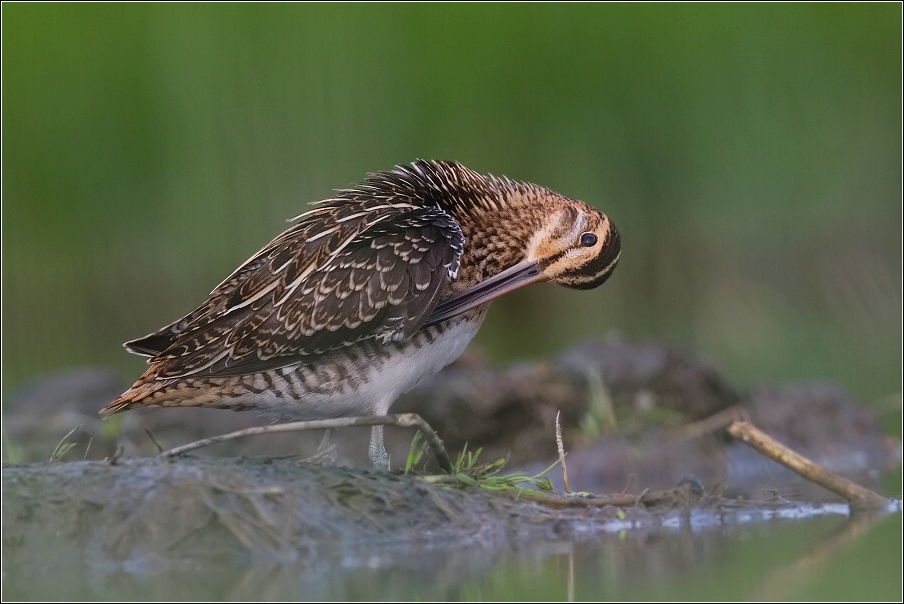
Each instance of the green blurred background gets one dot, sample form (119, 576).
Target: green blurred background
(749, 154)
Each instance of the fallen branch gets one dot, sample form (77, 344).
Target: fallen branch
(708, 425)
(403, 420)
(858, 497)
(681, 495)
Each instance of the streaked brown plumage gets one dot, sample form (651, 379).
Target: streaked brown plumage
(369, 292)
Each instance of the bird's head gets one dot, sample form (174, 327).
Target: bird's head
(576, 246)
(532, 234)
(516, 232)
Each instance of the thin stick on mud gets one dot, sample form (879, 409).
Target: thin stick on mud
(154, 440)
(403, 420)
(560, 445)
(858, 497)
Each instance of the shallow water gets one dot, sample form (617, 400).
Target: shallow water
(764, 555)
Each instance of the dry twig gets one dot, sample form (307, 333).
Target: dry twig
(858, 497)
(628, 486)
(117, 454)
(403, 420)
(561, 447)
(154, 440)
(708, 425)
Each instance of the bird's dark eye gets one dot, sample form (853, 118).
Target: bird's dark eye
(588, 239)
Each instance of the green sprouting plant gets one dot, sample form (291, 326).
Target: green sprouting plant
(63, 446)
(467, 460)
(415, 452)
(467, 472)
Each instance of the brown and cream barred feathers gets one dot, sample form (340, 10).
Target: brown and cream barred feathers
(405, 250)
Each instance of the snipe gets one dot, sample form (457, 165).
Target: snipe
(368, 293)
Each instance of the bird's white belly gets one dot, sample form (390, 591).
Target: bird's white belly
(376, 382)
(403, 371)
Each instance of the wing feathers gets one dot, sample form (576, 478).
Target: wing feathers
(344, 273)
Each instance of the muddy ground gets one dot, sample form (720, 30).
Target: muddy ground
(637, 419)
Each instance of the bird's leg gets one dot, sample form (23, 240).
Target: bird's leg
(377, 453)
(326, 452)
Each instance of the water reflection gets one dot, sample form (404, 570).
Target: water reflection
(771, 560)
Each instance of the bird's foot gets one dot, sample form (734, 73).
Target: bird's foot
(323, 457)
(326, 453)
(380, 459)
(376, 451)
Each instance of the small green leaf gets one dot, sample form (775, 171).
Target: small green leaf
(465, 479)
(544, 484)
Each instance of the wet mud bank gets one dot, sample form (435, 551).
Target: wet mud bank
(637, 419)
(158, 512)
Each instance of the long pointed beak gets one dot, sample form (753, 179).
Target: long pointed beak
(523, 273)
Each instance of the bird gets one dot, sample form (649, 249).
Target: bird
(368, 293)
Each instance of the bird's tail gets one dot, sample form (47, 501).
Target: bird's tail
(139, 395)
(149, 391)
